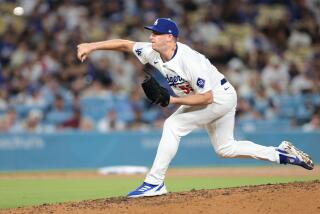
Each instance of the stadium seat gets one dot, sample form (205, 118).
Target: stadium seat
(96, 107)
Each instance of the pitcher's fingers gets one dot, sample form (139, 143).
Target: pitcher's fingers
(83, 58)
(79, 55)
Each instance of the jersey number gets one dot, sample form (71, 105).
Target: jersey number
(186, 88)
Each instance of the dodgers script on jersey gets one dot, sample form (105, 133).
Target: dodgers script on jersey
(192, 75)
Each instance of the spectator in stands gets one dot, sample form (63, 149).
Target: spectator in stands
(237, 74)
(275, 74)
(33, 122)
(9, 121)
(58, 112)
(302, 83)
(4, 96)
(95, 89)
(246, 112)
(314, 124)
(261, 102)
(110, 123)
(34, 98)
(137, 105)
(86, 124)
(73, 122)
(77, 122)
(100, 71)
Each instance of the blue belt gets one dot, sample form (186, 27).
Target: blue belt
(223, 81)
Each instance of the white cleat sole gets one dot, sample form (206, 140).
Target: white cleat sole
(163, 191)
(148, 190)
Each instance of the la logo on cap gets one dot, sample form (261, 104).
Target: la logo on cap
(164, 26)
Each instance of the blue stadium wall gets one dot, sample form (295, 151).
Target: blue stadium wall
(79, 150)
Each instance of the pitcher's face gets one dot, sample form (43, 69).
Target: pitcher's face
(159, 41)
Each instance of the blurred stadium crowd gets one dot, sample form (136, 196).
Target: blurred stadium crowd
(269, 50)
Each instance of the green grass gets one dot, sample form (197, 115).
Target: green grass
(25, 192)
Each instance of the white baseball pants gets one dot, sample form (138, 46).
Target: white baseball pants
(218, 119)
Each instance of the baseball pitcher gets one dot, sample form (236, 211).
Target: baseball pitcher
(206, 97)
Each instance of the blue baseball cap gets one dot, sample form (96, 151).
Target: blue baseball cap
(164, 26)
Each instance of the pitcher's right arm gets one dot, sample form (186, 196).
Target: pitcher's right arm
(122, 45)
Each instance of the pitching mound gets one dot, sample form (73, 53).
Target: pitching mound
(298, 197)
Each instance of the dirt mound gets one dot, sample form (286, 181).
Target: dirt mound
(297, 197)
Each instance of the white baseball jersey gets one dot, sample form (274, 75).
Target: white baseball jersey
(188, 72)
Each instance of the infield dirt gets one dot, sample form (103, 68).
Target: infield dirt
(297, 197)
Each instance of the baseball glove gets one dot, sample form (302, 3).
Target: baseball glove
(155, 92)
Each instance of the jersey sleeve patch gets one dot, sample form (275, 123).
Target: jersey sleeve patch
(200, 82)
(138, 51)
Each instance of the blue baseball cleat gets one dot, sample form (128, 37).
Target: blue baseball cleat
(291, 155)
(147, 189)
